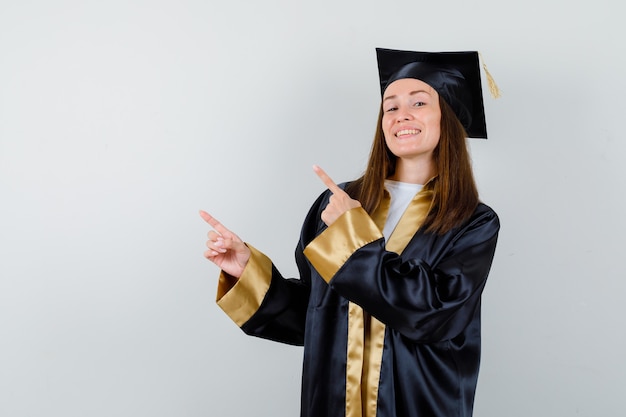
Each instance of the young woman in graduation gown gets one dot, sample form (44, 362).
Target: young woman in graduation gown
(392, 265)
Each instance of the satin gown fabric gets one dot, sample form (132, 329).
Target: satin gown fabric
(428, 299)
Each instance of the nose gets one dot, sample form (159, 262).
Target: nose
(403, 115)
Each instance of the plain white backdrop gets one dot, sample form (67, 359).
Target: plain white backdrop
(119, 120)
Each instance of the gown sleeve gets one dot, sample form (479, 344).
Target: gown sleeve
(265, 304)
(429, 293)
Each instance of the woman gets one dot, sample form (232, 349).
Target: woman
(392, 265)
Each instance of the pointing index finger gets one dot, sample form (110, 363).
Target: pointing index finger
(328, 182)
(213, 222)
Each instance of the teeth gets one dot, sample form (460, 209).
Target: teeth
(408, 132)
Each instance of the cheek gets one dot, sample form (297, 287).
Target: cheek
(386, 127)
(435, 134)
(435, 124)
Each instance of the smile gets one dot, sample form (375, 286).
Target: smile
(407, 132)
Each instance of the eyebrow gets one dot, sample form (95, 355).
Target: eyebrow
(412, 93)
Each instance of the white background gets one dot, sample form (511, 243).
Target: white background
(120, 119)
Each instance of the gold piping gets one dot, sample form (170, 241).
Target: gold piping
(332, 248)
(241, 298)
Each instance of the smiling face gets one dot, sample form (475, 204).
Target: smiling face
(411, 120)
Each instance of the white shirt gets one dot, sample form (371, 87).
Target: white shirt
(401, 195)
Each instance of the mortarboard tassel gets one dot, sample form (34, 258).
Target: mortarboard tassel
(493, 87)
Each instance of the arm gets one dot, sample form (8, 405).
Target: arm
(252, 292)
(429, 293)
(264, 303)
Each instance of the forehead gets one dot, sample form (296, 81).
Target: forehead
(407, 86)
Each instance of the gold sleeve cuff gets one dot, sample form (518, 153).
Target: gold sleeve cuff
(332, 248)
(241, 298)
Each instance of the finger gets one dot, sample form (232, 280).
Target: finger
(217, 245)
(213, 222)
(211, 254)
(213, 235)
(328, 182)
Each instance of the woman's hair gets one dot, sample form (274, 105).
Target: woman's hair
(455, 192)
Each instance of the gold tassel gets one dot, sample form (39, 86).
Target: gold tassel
(493, 87)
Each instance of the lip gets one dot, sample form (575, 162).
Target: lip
(406, 132)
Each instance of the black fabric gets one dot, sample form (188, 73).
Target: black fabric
(454, 75)
(429, 299)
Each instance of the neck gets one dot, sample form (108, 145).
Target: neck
(413, 172)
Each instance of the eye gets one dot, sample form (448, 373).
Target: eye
(419, 104)
(390, 109)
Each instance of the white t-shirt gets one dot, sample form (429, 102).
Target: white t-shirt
(401, 195)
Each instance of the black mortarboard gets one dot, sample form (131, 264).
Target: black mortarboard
(454, 75)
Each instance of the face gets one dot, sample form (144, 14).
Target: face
(411, 119)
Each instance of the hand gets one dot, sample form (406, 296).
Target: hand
(339, 202)
(226, 249)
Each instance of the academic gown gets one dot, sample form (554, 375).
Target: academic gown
(389, 329)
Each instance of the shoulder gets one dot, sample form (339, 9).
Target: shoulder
(483, 209)
(484, 218)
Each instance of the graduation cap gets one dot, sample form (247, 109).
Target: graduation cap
(454, 75)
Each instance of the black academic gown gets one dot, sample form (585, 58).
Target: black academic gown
(390, 328)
